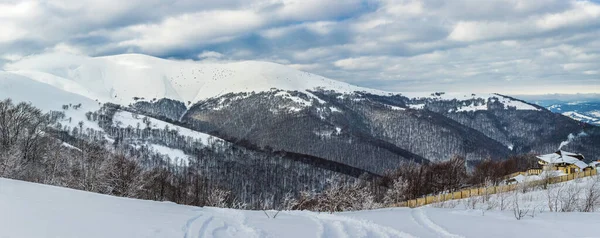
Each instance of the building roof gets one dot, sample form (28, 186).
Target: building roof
(595, 163)
(564, 157)
(519, 178)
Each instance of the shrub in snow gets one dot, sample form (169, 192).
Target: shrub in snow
(591, 195)
(397, 192)
(339, 196)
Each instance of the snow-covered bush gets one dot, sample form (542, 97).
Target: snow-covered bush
(339, 196)
(397, 192)
(591, 195)
(579, 195)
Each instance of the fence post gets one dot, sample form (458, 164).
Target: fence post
(469, 192)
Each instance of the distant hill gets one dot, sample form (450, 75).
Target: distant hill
(581, 107)
(243, 120)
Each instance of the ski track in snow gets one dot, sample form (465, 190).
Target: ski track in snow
(25, 205)
(420, 217)
(229, 223)
(222, 228)
(330, 225)
(191, 226)
(334, 229)
(187, 227)
(204, 229)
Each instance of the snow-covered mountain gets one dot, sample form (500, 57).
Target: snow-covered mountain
(306, 125)
(121, 78)
(260, 103)
(580, 107)
(584, 111)
(199, 92)
(141, 80)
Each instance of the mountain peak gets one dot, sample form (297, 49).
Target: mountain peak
(120, 78)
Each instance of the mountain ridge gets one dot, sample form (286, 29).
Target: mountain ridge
(111, 78)
(142, 82)
(244, 119)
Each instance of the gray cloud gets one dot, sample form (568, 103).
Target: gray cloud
(509, 46)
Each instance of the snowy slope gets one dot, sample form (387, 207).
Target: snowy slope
(506, 101)
(119, 78)
(49, 94)
(580, 107)
(592, 117)
(40, 94)
(559, 195)
(33, 210)
(47, 97)
(126, 119)
(580, 117)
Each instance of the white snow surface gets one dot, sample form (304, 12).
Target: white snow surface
(67, 145)
(472, 108)
(34, 210)
(42, 95)
(120, 78)
(417, 106)
(300, 102)
(578, 116)
(461, 96)
(47, 98)
(175, 155)
(446, 95)
(507, 102)
(517, 104)
(126, 119)
(537, 198)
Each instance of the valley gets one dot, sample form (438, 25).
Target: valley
(237, 121)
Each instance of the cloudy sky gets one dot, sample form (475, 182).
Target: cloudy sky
(509, 46)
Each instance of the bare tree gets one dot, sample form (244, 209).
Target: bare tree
(397, 192)
(554, 193)
(518, 211)
(591, 195)
(569, 199)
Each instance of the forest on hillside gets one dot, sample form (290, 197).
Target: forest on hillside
(120, 161)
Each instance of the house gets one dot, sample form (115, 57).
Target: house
(566, 162)
(516, 179)
(595, 165)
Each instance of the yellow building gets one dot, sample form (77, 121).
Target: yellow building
(595, 165)
(566, 162)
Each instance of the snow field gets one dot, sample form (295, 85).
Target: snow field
(34, 210)
(126, 119)
(562, 197)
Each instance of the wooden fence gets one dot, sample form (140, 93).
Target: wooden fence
(471, 192)
(526, 173)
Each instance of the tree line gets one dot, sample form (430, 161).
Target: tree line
(31, 151)
(35, 147)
